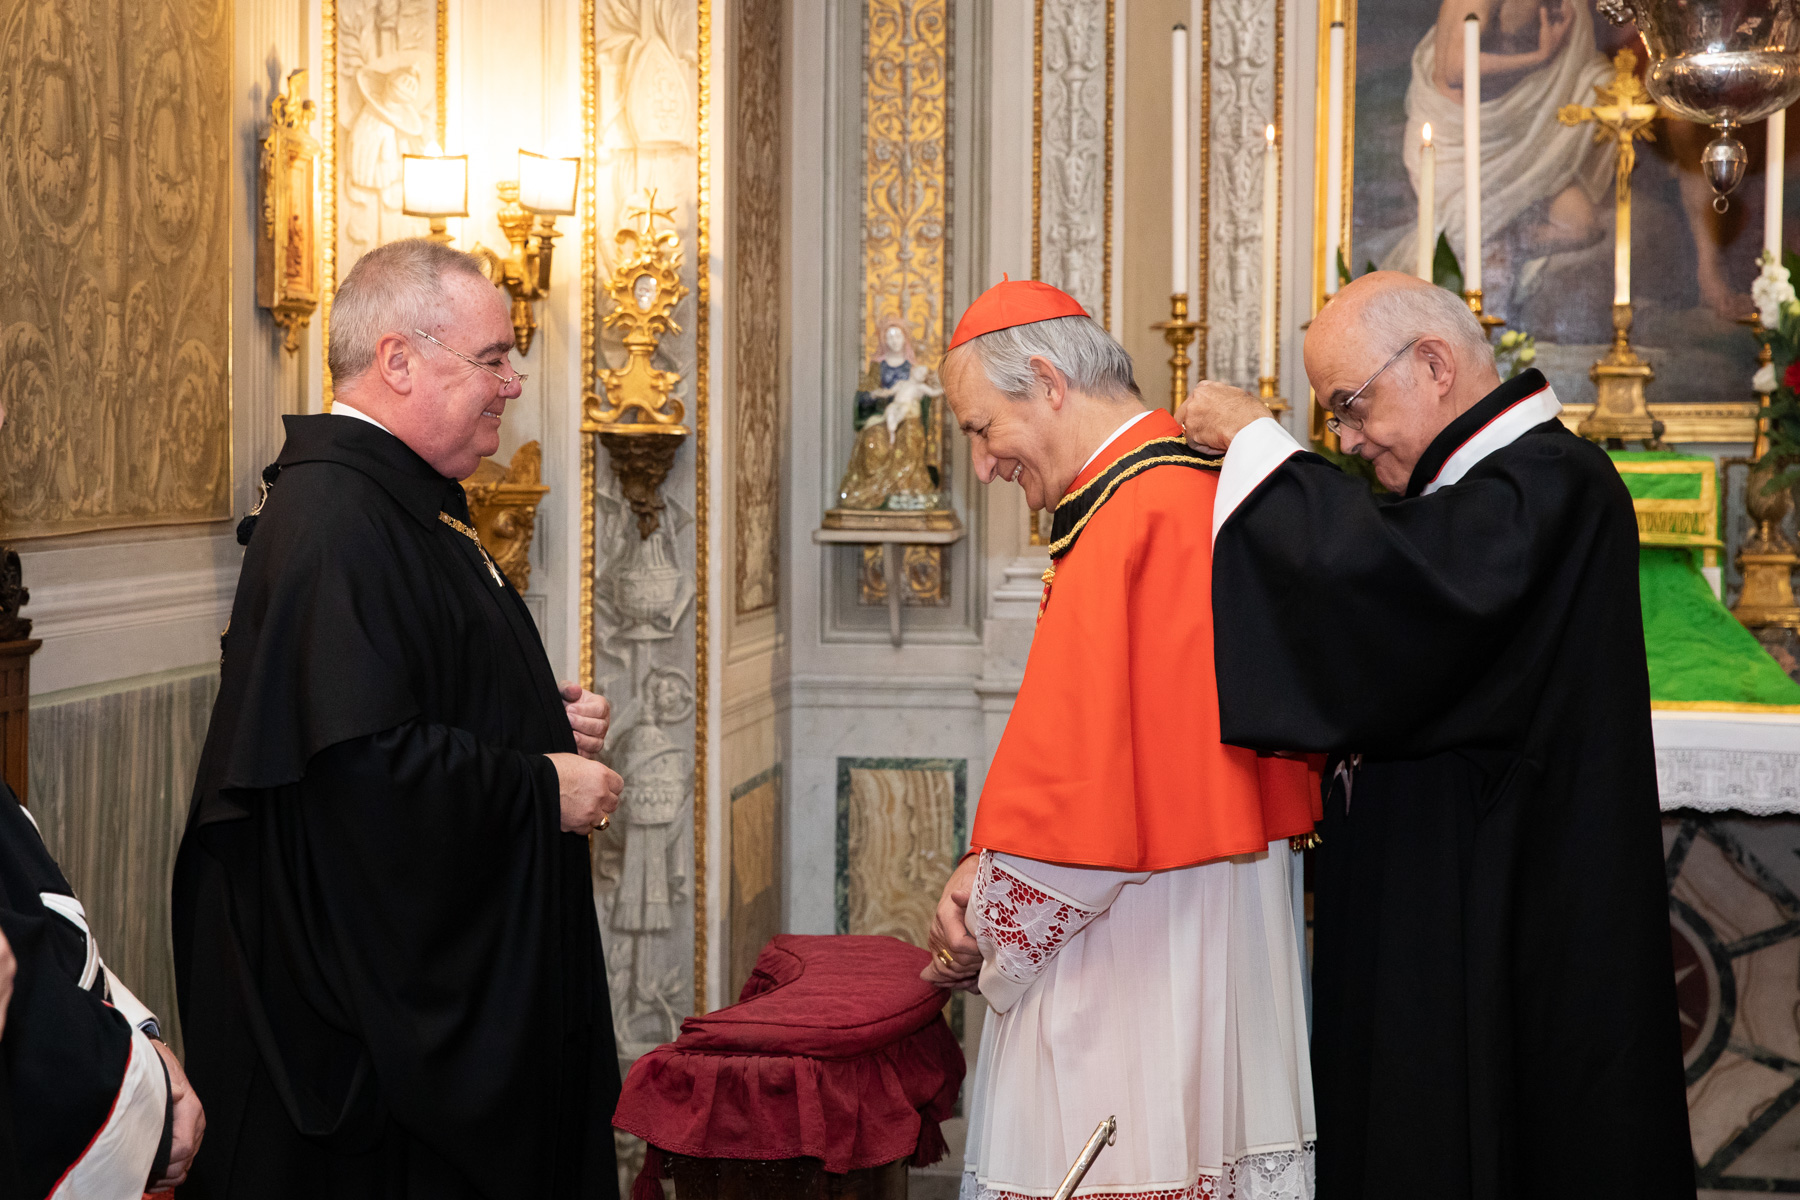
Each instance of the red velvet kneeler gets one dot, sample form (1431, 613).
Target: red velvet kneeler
(835, 1050)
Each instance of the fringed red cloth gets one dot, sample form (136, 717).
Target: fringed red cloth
(835, 1050)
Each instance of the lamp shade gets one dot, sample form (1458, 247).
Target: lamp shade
(547, 185)
(434, 185)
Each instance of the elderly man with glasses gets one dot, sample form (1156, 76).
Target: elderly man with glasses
(388, 962)
(1494, 1003)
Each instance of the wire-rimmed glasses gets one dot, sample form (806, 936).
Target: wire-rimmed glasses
(505, 380)
(1342, 417)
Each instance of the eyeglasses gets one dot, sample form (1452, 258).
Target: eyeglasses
(505, 380)
(1342, 417)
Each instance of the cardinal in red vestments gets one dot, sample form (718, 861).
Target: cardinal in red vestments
(1129, 905)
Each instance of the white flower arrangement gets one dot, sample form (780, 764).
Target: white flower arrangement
(1764, 379)
(1772, 291)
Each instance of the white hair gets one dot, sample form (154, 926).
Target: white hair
(1400, 314)
(395, 288)
(1077, 346)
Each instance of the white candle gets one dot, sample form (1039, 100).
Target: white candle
(1334, 157)
(1178, 92)
(1270, 234)
(1622, 255)
(1471, 83)
(1772, 183)
(1427, 204)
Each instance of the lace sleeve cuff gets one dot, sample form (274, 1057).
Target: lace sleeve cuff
(1019, 925)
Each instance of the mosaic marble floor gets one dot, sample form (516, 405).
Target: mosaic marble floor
(1734, 923)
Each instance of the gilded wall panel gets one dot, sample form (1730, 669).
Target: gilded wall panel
(756, 300)
(906, 187)
(115, 321)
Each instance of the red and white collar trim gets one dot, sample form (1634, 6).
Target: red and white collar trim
(1505, 429)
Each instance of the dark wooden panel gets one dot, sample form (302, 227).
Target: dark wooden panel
(15, 697)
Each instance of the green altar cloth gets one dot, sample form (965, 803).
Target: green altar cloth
(1700, 657)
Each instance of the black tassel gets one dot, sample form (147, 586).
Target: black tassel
(247, 526)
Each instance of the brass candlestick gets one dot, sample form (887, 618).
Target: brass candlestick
(1620, 411)
(1179, 332)
(1265, 391)
(1767, 559)
(1489, 322)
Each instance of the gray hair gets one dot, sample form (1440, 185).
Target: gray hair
(1077, 346)
(395, 288)
(1399, 314)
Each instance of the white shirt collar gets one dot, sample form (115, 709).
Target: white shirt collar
(340, 409)
(1497, 434)
(1113, 437)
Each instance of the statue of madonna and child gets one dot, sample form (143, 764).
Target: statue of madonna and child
(890, 467)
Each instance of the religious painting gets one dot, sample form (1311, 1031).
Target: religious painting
(114, 355)
(1547, 192)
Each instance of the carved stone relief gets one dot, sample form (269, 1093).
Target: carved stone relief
(1072, 242)
(756, 298)
(387, 106)
(115, 119)
(1243, 103)
(646, 83)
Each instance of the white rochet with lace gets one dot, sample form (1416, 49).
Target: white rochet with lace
(1171, 999)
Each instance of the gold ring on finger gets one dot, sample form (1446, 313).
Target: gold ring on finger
(604, 822)
(944, 956)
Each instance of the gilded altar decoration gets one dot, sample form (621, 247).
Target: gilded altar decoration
(287, 245)
(115, 149)
(503, 502)
(639, 417)
(1622, 112)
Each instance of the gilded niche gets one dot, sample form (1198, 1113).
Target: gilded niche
(115, 118)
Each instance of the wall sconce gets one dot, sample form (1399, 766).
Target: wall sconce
(435, 186)
(546, 189)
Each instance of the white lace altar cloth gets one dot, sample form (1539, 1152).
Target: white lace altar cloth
(1171, 1000)
(1728, 762)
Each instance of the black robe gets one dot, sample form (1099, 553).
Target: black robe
(1494, 1002)
(387, 957)
(63, 1056)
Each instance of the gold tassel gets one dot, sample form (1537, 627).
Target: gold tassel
(1305, 841)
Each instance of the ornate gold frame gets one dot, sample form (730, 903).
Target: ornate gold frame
(287, 229)
(1037, 159)
(702, 422)
(328, 198)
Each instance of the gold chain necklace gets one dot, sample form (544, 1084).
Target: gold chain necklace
(463, 529)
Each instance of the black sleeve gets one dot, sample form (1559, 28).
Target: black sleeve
(1347, 623)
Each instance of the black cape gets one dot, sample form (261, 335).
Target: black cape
(65, 1049)
(1494, 1002)
(387, 957)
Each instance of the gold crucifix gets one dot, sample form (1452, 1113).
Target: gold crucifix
(1622, 113)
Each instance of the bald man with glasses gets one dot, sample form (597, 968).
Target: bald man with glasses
(388, 962)
(1494, 1002)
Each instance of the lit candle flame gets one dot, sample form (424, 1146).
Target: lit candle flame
(1269, 133)
(1428, 133)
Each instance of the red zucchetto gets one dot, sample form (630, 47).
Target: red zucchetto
(1014, 302)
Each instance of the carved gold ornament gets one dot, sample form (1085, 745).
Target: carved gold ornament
(645, 288)
(287, 244)
(503, 502)
(527, 216)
